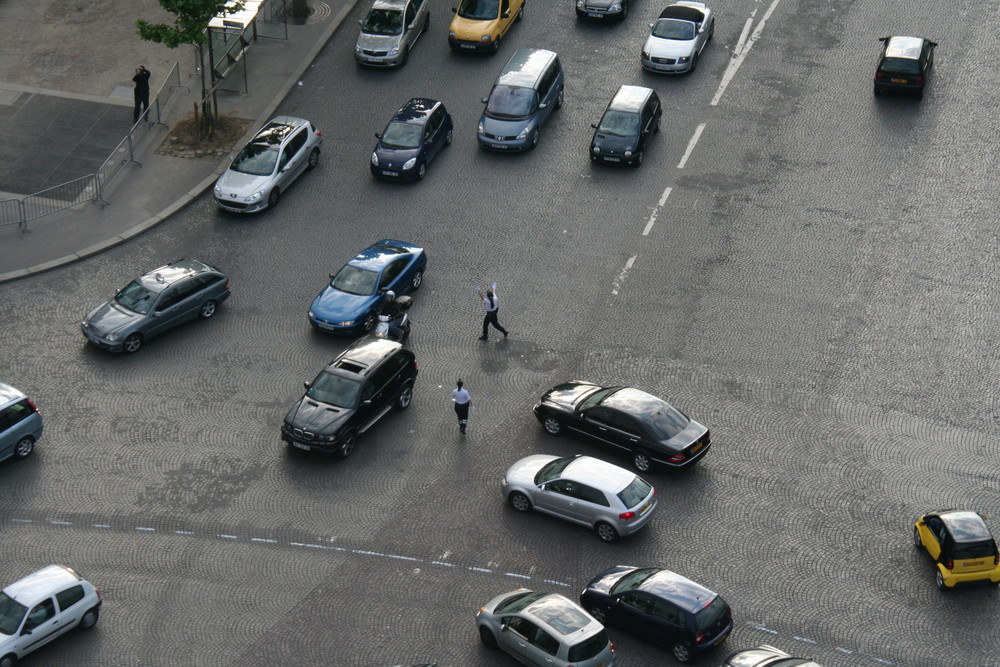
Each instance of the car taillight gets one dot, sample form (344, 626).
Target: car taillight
(318, 133)
(700, 638)
(996, 559)
(678, 457)
(414, 364)
(919, 79)
(612, 645)
(950, 564)
(626, 516)
(879, 77)
(227, 284)
(32, 404)
(708, 436)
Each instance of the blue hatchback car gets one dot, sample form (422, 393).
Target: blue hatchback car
(351, 302)
(414, 136)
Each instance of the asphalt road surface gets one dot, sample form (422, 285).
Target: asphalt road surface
(806, 269)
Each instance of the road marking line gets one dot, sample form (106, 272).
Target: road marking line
(184, 532)
(21, 520)
(763, 629)
(62, 523)
(227, 537)
(694, 140)
(743, 35)
(479, 569)
(519, 576)
(844, 650)
(148, 530)
(656, 211)
(100, 525)
(261, 539)
(621, 276)
(803, 639)
(438, 562)
(555, 583)
(739, 56)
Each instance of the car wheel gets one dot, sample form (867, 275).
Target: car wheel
(624, 13)
(920, 95)
(641, 461)
(606, 532)
(405, 396)
(876, 91)
(427, 23)
(711, 31)
(24, 447)
(207, 309)
(313, 159)
(347, 442)
(369, 322)
(598, 612)
(520, 502)
(496, 45)
(520, 12)
(417, 280)
(939, 580)
(681, 651)
(132, 343)
(694, 63)
(89, 619)
(552, 425)
(8, 660)
(534, 138)
(448, 137)
(486, 636)
(272, 199)
(916, 538)
(638, 159)
(422, 171)
(559, 100)
(656, 128)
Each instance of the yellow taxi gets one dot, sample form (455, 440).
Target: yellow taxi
(961, 545)
(480, 24)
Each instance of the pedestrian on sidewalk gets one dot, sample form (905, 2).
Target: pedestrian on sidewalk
(141, 80)
(462, 403)
(492, 306)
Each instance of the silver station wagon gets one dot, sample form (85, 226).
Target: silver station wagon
(390, 30)
(20, 423)
(155, 302)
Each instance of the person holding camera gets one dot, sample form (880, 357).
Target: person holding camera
(141, 80)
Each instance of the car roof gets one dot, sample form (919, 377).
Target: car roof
(399, 5)
(684, 12)
(277, 129)
(416, 110)
(966, 526)
(376, 256)
(39, 585)
(559, 614)
(363, 354)
(599, 474)
(904, 47)
(525, 67)
(630, 98)
(9, 394)
(678, 589)
(635, 402)
(159, 279)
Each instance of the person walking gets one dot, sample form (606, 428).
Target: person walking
(462, 403)
(492, 306)
(141, 80)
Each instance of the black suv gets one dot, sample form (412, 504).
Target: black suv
(348, 396)
(632, 115)
(904, 66)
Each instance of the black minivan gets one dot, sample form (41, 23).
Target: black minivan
(350, 395)
(632, 115)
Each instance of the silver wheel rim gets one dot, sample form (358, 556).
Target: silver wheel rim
(418, 278)
(449, 136)
(641, 462)
(208, 309)
(939, 580)
(552, 425)
(405, 396)
(133, 343)
(520, 502)
(916, 539)
(313, 158)
(681, 652)
(347, 446)
(24, 447)
(369, 322)
(606, 532)
(89, 619)
(599, 613)
(422, 171)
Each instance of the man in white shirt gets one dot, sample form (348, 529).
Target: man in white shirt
(492, 305)
(462, 402)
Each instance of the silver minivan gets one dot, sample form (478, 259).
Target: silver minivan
(528, 89)
(20, 423)
(390, 30)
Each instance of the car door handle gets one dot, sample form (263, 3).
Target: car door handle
(601, 428)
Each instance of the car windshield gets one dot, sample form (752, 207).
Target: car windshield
(256, 160)
(402, 135)
(552, 469)
(900, 66)
(334, 390)
(633, 580)
(621, 123)
(11, 614)
(511, 102)
(673, 29)
(353, 280)
(588, 648)
(136, 298)
(383, 22)
(596, 398)
(635, 493)
(479, 10)
(716, 610)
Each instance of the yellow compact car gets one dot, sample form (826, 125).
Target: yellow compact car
(479, 24)
(961, 545)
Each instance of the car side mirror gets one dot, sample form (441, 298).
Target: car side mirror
(331, 276)
(411, 26)
(543, 105)
(594, 125)
(506, 14)
(361, 22)
(484, 100)
(453, 10)
(307, 385)
(504, 626)
(378, 135)
(650, 25)
(367, 402)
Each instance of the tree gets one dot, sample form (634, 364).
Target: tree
(190, 27)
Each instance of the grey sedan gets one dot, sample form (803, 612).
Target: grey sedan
(390, 30)
(155, 302)
(583, 490)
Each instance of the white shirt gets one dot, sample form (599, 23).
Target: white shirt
(491, 307)
(461, 396)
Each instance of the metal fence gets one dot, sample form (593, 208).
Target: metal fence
(93, 186)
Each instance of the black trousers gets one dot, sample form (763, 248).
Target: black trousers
(462, 410)
(491, 318)
(141, 102)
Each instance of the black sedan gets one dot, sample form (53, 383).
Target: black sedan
(648, 427)
(414, 137)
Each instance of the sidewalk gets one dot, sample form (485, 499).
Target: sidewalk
(63, 133)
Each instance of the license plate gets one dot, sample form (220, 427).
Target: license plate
(305, 447)
(697, 448)
(373, 60)
(594, 15)
(390, 173)
(498, 146)
(899, 80)
(612, 159)
(644, 509)
(722, 639)
(467, 46)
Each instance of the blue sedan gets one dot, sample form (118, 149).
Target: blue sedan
(351, 302)
(414, 136)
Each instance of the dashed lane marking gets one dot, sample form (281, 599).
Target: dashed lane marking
(656, 211)
(621, 276)
(691, 144)
(741, 53)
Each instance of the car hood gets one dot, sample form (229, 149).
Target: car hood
(668, 48)
(614, 143)
(757, 656)
(602, 4)
(567, 395)
(504, 128)
(319, 418)
(471, 31)
(240, 184)
(111, 317)
(523, 472)
(378, 42)
(688, 436)
(336, 306)
(389, 158)
(604, 581)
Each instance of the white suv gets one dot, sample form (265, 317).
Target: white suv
(37, 609)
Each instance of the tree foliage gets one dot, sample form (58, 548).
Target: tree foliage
(191, 23)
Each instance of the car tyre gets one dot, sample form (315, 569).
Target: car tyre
(8, 660)
(606, 532)
(559, 100)
(638, 158)
(487, 638)
(916, 538)
(422, 171)
(207, 309)
(89, 619)
(598, 612)
(347, 443)
(641, 461)
(417, 280)
(681, 652)
(520, 12)
(427, 23)
(313, 159)
(534, 138)
(405, 396)
(694, 64)
(24, 447)
(624, 13)
(656, 128)
(132, 343)
(711, 31)
(520, 502)
(496, 45)
(369, 322)
(448, 137)
(939, 580)
(552, 425)
(272, 199)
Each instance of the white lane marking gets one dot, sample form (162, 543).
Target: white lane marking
(514, 574)
(694, 140)
(442, 563)
(184, 532)
(227, 537)
(656, 212)
(621, 276)
(21, 520)
(261, 539)
(763, 629)
(479, 569)
(100, 525)
(803, 639)
(61, 523)
(743, 35)
(143, 528)
(738, 57)
(844, 650)
(556, 583)
(884, 662)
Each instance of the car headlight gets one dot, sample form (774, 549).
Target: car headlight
(375, 159)
(254, 197)
(617, 7)
(218, 189)
(524, 133)
(597, 149)
(348, 323)
(394, 50)
(357, 48)
(485, 39)
(684, 59)
(503, 481)
(111, 337)
(451, 34)
(645, 55)
(312, 315)
(481, 127)
(579, 4)
(628, 153)
(409, 164)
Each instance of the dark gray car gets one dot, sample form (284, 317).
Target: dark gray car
(155, 302)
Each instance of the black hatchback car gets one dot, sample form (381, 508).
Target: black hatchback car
(415, 135)
(661, 607)
(647, 427)
(350, 395)
(905, 65)
(632, 115)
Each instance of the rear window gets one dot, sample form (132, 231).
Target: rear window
(666, 421)
(14, 414)
(975, 550)
(717, 610)
(900, 66)
(564, 616)
(635, 493)
(588, 648)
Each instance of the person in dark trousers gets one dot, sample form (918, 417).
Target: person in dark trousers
(392, 308)
(462, 402)
(141, 80)
(492, 305)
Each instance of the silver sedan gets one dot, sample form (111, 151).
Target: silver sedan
(390, 30)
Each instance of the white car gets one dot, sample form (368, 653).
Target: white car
(678, 38)
(766, 656)
(40, 607)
